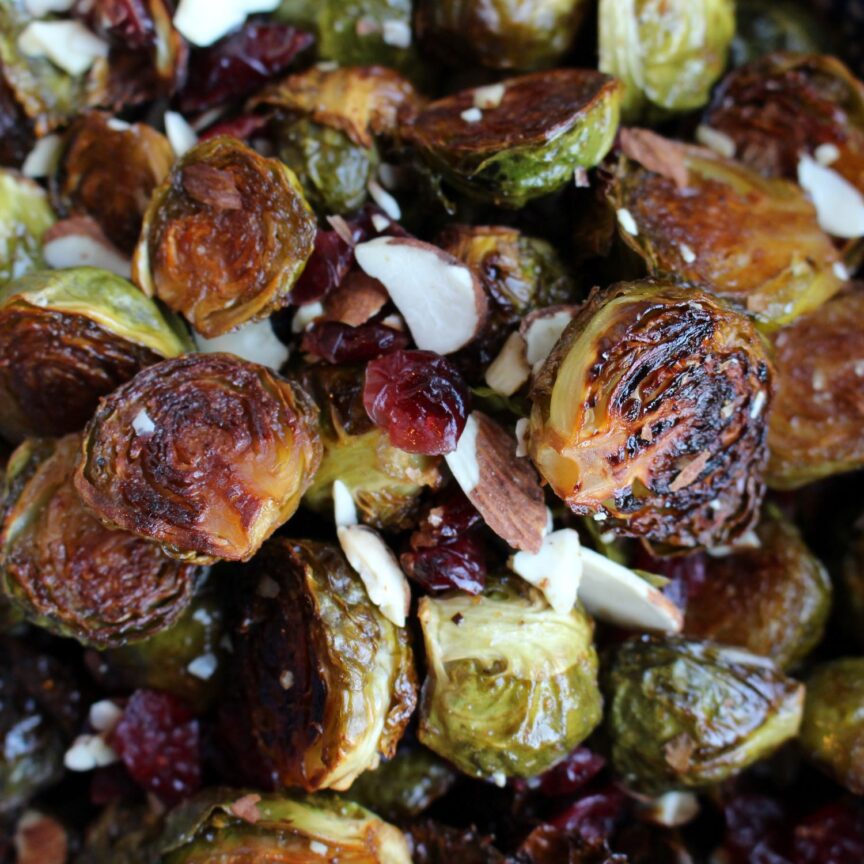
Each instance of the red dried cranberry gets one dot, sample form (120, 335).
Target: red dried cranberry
(755, 825)
(570, 775)
(127, 22)
(341, 343)
(328, 265)
(419, 398)
(687, 574)
(593, 817)
(157, 740)
(242, 127)
(240, 63)
(832, 835)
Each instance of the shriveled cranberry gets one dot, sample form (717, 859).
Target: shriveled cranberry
(755, 827)
(574, 772)
(328, 265)
(157, 740)
(341, 343)
(419, 398)
(832, 835)
(127, 22)
(240, 63)
(593, 817)
(687, 574)
(242, 127)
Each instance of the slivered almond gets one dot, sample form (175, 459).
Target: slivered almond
(80, 242)
(503, 487)
(541, 329)
(510, 369)
(357, 299)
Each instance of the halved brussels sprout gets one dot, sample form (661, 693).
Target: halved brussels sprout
(816, 421)
(545, 126)
(688, 714)
(329, 681)
(832, 731)
(70, 574)
(68, 338)
(225, 237)
(650, 414)
(512, 684)
(668, 53)
(716, 224)
(109, 170)
(228, 825)
(206, 454)
(501, 34)
(385, 482)
(772, 600)
(783, 105)
(25, 215)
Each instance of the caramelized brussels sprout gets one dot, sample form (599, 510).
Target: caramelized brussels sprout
(690, 714)
(545, 126)
(329, 681)
(385, 482)
(69, 573)
(25, 215)
(501, 34)
(668, 53)
(206, 454)
(225, 237)
(816, 421)
(109, 170)
(228, 825)
(512, 684)
(650, 414)
(716, 224)
(68, 338)
(832, 731)
(772, 600)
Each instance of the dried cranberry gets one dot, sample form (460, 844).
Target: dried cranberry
(687, 574)
(128, 22)
(832, 835)
(341, 343)
(240, 63)
(16, 130)
(419, 398)
(328, 265)
(570, 775)
(593, 817)
(755, 825)
(157, 740)
(242, 127)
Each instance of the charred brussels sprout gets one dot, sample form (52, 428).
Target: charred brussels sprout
(501, 34)
(689, 714)
(68, 338)
(816, 421)
(206, 454)
(545, 126)
(227, 825)
(668, 53)
(69, 573)
(716, 224)
(512, 684)
(650, 414)
(384, 481)
(109, 171)
(225, 237)
(832, 732)
(772, 600)
(330, 682)
(25, 215)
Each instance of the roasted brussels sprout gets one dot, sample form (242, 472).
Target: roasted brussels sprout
(222, 824)
(650, 414)
(69, 573)
(501, 34)
(524, 144)
(206, 454)
(689, 714)
(832, 731)
(25, 215)
(121, 834)
(816, 421)
(772, 600)
(512, 684)
(668, 53)
(716, 224)
(384, 481)
(109, 170)
(68, 338)
(330, 682)
(225, 237)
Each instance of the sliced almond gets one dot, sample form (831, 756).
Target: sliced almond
(41, 8)
(180, 134)
(80, 242)
(503, 487)
(256, 341)
(377, 566)
(510, 369)
(440, 298)
(40, 839)
(839, 205)
(88, 752)
(344, 508)
(671, 810)
(541, 329)
(105, 715)
(614, 593)
(67, 44)
(43, 158)
(204, 22)
(357, 299)
(556, 569)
